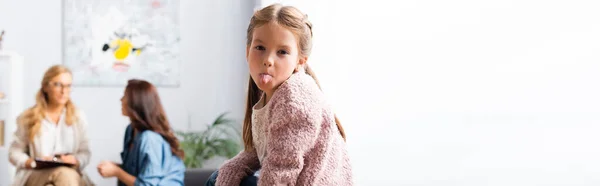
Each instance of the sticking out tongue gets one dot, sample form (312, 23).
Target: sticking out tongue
(265, 78)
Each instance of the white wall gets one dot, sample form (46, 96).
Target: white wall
(470, 93)
(214, 68)
(430, 92)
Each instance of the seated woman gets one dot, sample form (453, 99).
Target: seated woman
(52, 129)
(151, 153)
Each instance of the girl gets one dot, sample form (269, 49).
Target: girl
(151, 154)
(52, 129)
(290, 132)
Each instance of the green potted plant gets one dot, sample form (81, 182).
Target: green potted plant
(220, 138)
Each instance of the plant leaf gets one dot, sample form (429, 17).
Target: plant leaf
(221, 138)
(221, 120)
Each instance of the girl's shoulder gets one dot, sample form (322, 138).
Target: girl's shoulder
(300, 91)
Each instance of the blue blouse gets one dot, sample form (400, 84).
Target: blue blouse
(150, 160)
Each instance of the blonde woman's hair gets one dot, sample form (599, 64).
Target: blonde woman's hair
(33, 116)
(297, 22)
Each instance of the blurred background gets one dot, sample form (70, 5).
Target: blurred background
(430, 92)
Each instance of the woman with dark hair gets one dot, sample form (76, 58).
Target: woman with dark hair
(151, 153)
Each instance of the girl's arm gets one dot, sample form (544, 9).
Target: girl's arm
(294, 127)
(240, 166)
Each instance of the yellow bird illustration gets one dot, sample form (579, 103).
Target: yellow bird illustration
(122, 48)
(125, 48)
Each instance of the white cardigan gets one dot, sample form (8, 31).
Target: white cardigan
(21, 149)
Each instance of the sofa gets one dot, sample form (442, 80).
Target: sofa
(197, 177)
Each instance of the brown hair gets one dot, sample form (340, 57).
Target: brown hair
(294, 20)
(32, 117)
(146, 112)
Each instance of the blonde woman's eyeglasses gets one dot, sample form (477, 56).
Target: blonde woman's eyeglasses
(60, 86)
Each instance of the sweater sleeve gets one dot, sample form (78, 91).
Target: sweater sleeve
(240, 166)
(292, 132)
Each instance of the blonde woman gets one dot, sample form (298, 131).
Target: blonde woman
(53, 129)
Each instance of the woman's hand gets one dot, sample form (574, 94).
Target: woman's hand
(28, 163)
(69, 159)
(108, 169)
(47, 158)
(30, 160)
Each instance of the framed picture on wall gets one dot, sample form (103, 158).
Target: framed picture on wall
(107, 42)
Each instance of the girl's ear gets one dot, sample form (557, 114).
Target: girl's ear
(302, 60)
(301, 63)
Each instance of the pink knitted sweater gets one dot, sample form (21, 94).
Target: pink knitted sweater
(302, 145)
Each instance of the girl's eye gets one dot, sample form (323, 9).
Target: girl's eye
(283, 52)
(259, 48)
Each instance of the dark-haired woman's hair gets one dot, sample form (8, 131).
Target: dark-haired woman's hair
(146, 112)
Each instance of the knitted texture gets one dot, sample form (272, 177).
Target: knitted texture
(301, 144)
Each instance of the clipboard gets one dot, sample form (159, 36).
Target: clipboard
(43, 164)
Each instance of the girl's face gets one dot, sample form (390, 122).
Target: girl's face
(272, 56)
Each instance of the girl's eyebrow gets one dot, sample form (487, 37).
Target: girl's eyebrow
(285, 47)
